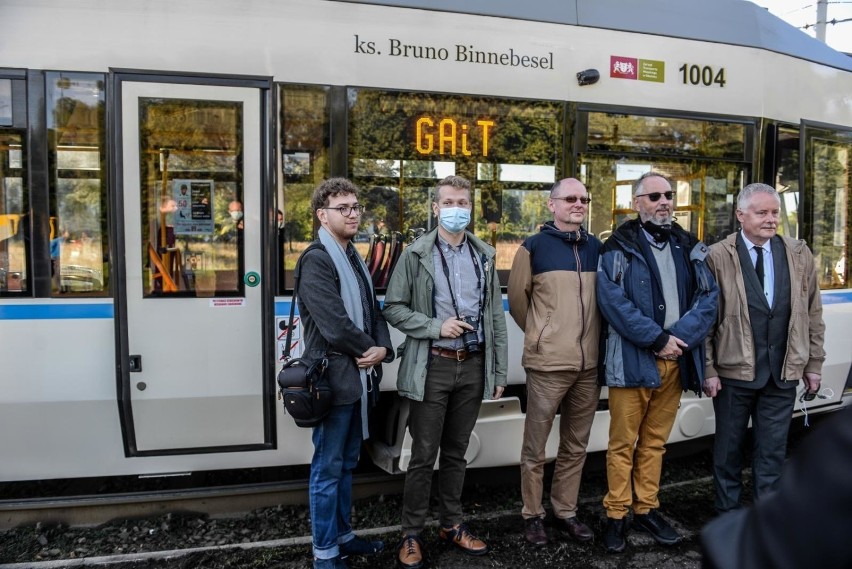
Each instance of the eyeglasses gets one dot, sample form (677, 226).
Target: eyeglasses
(655, 196)
(346, 210)
(811, 395)
(573, 199)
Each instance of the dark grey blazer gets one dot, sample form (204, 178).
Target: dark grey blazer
(327, 329)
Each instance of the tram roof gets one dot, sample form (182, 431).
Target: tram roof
(735, 22)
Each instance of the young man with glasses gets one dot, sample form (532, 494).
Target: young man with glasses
(343, 324)
(444, 295)
(552, 299)
(658, 299)
(772, 337)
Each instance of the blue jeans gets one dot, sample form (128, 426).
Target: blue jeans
(337, 446)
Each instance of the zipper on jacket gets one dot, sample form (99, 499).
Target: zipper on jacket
(541, 333)
(582, 309)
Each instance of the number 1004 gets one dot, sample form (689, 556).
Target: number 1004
(698, 75)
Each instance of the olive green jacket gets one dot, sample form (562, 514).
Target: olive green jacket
(410, 308)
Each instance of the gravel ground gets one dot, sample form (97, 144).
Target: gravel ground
(492, 503)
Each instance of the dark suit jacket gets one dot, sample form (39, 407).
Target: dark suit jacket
(328, 330)
(806, 523)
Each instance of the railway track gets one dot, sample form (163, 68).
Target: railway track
(220, 501)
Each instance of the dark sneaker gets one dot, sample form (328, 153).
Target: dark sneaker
(659, 528)
(461, 537)
(358, 546)
(409, 553)
(575, 528)
(333, 563)
(534, 531)
(614, 538)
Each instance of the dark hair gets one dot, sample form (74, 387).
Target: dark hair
(456, 182)
(329, 188)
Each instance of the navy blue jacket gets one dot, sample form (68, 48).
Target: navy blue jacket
(631, 301)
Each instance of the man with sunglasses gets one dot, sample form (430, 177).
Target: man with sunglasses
(552, 299)
(343, 324)
(767, 338)
(444, 295)
(658, 299)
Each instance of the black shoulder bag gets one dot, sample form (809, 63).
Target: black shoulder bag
(302, 384)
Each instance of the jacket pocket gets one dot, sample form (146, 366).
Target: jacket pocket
(542, 333)
(730, 343)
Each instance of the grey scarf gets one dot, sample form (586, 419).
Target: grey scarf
(351, 295)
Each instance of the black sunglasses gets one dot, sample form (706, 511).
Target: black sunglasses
(655, 196)
(573, 199)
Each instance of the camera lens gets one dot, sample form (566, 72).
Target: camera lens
(470, 339)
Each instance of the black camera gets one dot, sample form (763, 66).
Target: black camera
(470, 338)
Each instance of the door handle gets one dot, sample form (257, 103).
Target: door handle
(134, 363)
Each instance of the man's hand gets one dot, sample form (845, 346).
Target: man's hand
(673, 348)
(712, 386)
(453, 327)
(812, 382)
(498, 392)
(371, 357)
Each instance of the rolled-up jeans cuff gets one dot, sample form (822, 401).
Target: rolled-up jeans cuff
(329, 553)
(345, 538)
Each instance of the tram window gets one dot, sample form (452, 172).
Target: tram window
(787, 179)
(305, 163)
(78, 188)
(192, 196)
(831, 172)
(402, 143)
(704, 192)
(666, 135)
(13, 214)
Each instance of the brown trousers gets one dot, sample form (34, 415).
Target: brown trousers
(575, 394)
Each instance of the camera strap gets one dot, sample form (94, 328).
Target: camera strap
(446, 268)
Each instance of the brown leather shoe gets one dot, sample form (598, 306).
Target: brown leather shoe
(534, 531)
(575, 528)
(461, 537)
(410, 553)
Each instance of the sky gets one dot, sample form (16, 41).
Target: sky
(800, 13)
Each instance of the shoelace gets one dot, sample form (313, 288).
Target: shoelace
(826, 393)
(410, 543)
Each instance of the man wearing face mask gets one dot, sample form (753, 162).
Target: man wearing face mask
(444, 295)
(658, 299)
(235, 210)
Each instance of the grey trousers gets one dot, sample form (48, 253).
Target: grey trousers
(443, 421)
(770, 410)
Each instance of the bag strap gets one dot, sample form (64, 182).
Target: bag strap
(296, 278)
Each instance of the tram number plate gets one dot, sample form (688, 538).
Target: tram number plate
(706, 75)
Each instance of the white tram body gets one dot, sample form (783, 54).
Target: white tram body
(159, 356)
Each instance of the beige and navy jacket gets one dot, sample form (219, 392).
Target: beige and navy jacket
(552, 299)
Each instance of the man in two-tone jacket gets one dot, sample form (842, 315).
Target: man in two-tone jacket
(768, 336)
(659, 301)
(552, 299)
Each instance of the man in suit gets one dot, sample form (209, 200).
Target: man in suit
(768, 335)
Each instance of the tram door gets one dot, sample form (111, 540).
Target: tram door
(190, 312)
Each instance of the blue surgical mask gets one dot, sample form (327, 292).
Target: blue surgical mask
(454, 219)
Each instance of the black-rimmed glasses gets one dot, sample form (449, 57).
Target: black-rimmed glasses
(655, 196)
(346, 210)
(573, 199)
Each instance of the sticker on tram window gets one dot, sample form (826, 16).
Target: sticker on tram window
(707, 75)
(193, 207)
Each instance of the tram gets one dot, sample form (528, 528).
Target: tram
(157, 159)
